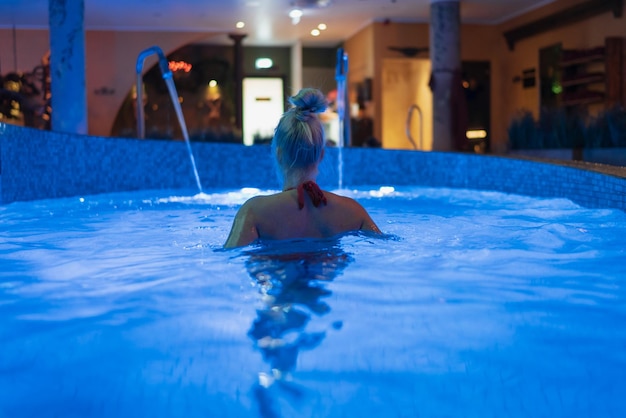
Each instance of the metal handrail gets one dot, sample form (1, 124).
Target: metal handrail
(408, 126)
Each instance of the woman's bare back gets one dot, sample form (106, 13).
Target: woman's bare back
(278, 217)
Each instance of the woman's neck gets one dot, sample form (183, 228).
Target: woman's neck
(293, 181)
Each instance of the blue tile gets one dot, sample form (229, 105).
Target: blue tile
(41, 164)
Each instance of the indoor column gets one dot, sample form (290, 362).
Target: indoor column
(238, 77)
(67, 66)
(445, 54)
(296, 68)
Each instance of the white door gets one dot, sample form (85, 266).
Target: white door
(263, 105)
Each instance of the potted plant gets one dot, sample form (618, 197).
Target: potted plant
(605, 141)
(556, 135)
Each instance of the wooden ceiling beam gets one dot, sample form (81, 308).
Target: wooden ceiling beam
(565, 17)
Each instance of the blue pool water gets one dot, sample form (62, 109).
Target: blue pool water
(475, 304)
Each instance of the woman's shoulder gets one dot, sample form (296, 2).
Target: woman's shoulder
(265, 202)
(349, 210)
(338, 197)
(344, 201)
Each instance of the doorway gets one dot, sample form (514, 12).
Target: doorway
(405, 84)
(477, 86)
(263, 105)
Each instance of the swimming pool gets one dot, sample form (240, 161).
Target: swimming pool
(476, 304)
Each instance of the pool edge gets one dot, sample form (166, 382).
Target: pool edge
(39, 164)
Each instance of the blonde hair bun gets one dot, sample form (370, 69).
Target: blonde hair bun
(308, 102)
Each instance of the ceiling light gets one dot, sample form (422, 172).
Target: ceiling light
(295, 15)
(322, 26)
(240, 25)
(315, 32)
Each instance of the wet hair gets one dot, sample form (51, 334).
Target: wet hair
(300, 134)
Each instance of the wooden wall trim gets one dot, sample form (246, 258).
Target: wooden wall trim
(565, 17)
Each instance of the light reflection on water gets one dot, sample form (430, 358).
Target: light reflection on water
(476, 304)
(292, 280)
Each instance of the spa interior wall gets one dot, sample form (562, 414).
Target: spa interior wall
(110, 60)
(590, 33)
(369, 48)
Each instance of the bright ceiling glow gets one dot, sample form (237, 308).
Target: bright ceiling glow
(322, 26)
(212, 83)
(240, 25)
(315, 32)
(264, 29)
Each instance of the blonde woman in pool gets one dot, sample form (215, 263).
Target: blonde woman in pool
(302, 209)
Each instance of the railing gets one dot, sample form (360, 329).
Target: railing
(408, 126)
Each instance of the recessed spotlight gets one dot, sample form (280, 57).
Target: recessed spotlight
(240, 25)
(295, 15)
(315, 32)
(212, 83)
(322, 26)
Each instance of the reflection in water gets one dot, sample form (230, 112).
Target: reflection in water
(292, 280)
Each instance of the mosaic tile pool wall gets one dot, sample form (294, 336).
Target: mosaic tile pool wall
(42, 164)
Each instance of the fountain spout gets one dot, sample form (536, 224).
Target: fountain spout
(169, 81)
(341, 71)
(165, 71)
